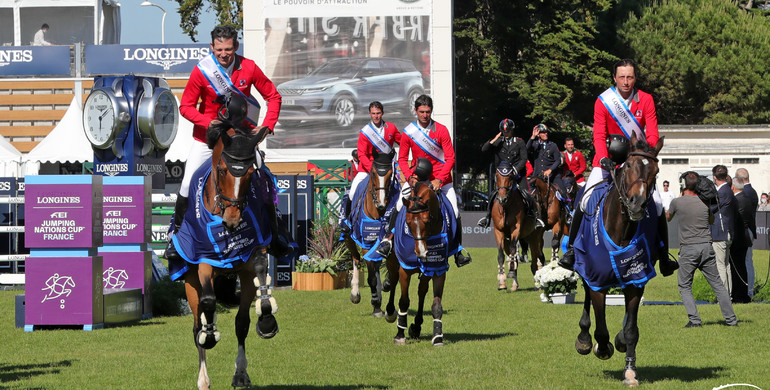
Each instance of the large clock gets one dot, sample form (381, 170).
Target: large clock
(104, 115)
(158, 116)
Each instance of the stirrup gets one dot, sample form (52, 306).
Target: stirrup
(462, 260)
(384, 248)
(483, 222)
(539, 223)
(343, 227)
(567, 260)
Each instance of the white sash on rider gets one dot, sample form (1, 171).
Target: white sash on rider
(621, 113)
(218, 78)
(424, 142)
(371, 133)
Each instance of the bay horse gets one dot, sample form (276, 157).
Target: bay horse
(226, 198)
(625, 211)
(511, 225)
(375, 201)
(555, 215)
(425, 222)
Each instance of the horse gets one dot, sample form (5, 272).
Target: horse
(374, 205)
(424, 221)
(226, 193)
(512, 224)
(623, 213)
(556, 215)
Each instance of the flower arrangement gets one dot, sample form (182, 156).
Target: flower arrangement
(325, 252)
(315, 265)
(555, 279)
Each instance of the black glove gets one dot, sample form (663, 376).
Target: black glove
(607, 164)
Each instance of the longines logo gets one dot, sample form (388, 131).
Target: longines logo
(149, 169)
(10, 56)
(165, 57)
(111, 169)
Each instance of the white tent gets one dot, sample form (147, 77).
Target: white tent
(92, 22)
(10, 159)
(67, 142)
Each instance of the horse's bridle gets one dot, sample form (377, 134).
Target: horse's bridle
(219, 198)
(374, 188)
(622, 187)
(416, 200)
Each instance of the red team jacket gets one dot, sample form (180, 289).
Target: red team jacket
(643, 110)
(577, 164)
(246, 74)
(392, 136)
(442, 172)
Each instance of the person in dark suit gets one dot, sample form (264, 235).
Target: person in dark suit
(752, 195)
(723, 228)
(741, 242)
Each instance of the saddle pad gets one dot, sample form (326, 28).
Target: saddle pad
(440, 246)
(602, 263)
(366, 231)
(202, 238)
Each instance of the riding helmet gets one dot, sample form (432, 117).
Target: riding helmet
(423, 169)
(618, 148)
(233, 110)
(507, 125)
(543, 128)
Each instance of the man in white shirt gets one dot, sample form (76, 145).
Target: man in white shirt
(40, 37)
(666, 196)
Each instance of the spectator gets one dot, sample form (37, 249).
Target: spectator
(751, 219)
(723, 228)
(744, 220)
(764, 204)
(696, 252)
(39, 39)
(574, 161)
(666, 196)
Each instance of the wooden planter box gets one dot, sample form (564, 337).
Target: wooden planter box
(319, 281)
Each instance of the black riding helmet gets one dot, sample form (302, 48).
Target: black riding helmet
(234, 109)
(618, 148)
(506, 125)
(423, 169)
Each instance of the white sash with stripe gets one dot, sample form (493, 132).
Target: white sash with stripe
(371, 133)
(218, 78)
(424, 142)
(621, 113)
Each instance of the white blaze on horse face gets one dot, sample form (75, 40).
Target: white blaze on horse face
(381, 195)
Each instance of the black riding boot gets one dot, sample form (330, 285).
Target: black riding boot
(568, 259)
(280, 244)
(666, 265)
(484, 222)
(344, 212)
(386, 245)
(461, 258)
(180, 209)
(532, 207)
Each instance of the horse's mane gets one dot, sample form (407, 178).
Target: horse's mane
(641, 145)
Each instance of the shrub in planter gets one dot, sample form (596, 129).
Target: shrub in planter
(762, 293)
(168, 297)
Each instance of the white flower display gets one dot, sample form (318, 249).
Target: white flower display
(555, 279)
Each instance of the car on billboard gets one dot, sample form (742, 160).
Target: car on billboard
(341, 90)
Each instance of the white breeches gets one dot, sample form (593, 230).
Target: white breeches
(597, 175)
(446, 189)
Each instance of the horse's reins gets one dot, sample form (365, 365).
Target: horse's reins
(239, 203)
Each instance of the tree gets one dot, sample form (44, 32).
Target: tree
(705, 61)
(227, 11)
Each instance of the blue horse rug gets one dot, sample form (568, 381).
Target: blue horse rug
(202, 238)
(602, 263)
(366, 231)
(440, 246)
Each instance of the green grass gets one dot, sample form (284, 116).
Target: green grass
(495, 340)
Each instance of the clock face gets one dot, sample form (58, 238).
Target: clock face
(100, 119)
(165, 118)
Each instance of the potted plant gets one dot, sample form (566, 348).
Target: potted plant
(321, 268)
(558, 284)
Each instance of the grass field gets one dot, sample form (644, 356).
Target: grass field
(495, 340)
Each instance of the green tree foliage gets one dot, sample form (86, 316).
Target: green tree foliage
(227, 11)
(532, 61)
(705, 61)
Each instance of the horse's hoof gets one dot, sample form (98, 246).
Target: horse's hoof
(377, 313)
(630, 379)
(414, 331)
(241, 379)
(583, 346)
(604, 355)
(208, 339)
(391, 317)
(267, 326)
(514, 285)
(355, 298)
(501, 287)
(438, 340)
(620, 342)
(399, 340)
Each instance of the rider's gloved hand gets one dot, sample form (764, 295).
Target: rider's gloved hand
(607, 164)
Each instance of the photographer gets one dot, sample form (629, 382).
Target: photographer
(696, 251)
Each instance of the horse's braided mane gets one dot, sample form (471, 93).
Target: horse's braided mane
(642, 146)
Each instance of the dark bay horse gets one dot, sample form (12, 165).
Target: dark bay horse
(512, 224)
(425, 222)
(626, 206)
(555, 215)
(225, 196)
(375, 204)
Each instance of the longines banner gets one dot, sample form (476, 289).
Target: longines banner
(35, 60)
(144, 59)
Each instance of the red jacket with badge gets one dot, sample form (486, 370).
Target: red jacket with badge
(577, 164)
(441, 171)
(365, 147)
(245, 74)
(643, 108)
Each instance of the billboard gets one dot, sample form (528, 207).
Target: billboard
(330, 59)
